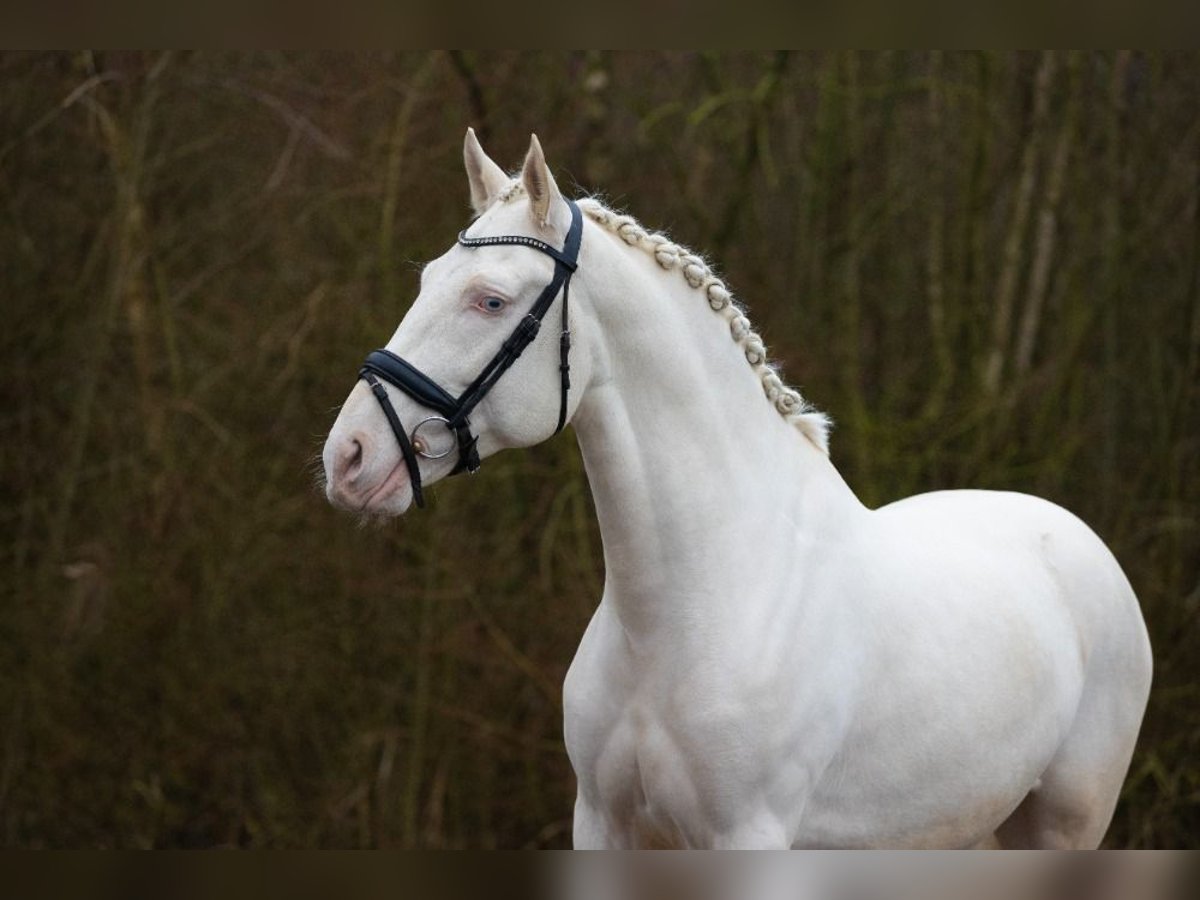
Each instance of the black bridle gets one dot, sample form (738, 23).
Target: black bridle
(452, 411)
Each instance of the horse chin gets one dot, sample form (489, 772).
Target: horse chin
(381, 509)
(391, 498)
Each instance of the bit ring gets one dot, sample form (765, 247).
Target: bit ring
(420, 447)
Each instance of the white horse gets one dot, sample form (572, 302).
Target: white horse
(772, 664)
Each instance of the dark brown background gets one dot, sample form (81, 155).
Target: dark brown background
(983, 265)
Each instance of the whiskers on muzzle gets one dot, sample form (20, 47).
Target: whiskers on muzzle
(315, 466)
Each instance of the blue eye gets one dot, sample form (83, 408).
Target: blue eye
(491, 304)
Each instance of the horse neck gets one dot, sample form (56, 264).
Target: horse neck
(697, 480)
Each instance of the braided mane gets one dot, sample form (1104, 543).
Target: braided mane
(813, 424)
(787, 401)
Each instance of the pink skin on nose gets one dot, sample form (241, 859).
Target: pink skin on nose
(345, 472)
(352, 483)
(347, 461)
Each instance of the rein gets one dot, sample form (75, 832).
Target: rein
(453, 412)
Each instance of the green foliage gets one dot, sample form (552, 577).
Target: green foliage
(198, 249)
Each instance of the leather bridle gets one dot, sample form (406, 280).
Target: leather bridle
(452, 411)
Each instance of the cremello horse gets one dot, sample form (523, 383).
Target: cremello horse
(772, 664)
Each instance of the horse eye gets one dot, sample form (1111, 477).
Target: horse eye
(491, 304)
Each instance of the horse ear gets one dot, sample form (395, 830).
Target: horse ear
(486, 178)
(539, 184)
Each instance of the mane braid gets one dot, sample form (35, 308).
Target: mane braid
(787, 401)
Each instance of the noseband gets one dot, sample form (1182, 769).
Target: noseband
(454, 412)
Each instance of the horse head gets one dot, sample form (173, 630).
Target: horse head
(470, 370)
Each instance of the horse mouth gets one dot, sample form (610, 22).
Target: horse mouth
(377, 501)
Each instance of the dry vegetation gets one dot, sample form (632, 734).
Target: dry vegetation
(985, 266)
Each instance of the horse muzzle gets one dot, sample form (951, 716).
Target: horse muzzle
(363, 475)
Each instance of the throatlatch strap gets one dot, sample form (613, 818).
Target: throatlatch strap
(564, 359)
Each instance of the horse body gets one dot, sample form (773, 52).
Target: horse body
(908, 697)
(772, 664)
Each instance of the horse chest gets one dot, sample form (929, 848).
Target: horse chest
(642, 774)
(670, 758)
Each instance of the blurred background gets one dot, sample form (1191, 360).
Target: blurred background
(985, 266)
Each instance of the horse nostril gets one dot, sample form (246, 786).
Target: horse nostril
(352, 460)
